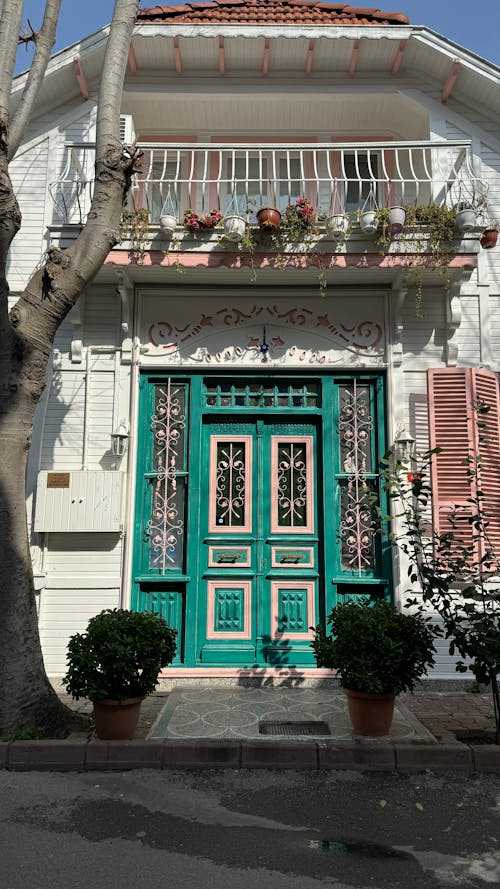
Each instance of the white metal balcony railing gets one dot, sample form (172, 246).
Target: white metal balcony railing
(336, 177)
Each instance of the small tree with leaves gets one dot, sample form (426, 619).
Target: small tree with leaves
(458, 568)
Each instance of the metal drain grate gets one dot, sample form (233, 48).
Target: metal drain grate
(294, 728)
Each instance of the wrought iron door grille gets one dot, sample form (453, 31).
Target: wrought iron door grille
(221, 394)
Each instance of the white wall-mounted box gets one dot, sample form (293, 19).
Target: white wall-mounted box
(79, 501)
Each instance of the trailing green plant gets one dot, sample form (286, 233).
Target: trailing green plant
(384, 237)
(374, 647)
(436, 244)
(457, 571)
(134, 227)
(119, 656)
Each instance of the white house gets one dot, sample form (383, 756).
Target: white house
(255, 379)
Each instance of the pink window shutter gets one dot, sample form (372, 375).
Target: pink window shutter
(453, 426)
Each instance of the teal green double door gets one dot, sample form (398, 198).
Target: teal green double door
(262, 542)
(254, 510)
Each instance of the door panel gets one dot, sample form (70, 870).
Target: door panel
(252, 513)
(262, 485)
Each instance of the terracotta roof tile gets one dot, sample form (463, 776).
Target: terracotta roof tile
(300, 12)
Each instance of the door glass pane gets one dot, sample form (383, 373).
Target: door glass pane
(357, 526)
(166, 525)
(230, 483)
(291, 484)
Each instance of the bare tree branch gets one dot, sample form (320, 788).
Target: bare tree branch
(11, 13)
(44, 42)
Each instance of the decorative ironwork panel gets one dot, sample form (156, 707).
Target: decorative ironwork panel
(291, 484)
(230, 483)
(165, 527)
(357, 525)
(169, 426)
(281, 394)
(356, 437)
(355, 428)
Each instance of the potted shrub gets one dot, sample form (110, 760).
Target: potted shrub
(116, 663)
(377, 652)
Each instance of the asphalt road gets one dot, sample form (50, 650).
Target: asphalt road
(248, 830)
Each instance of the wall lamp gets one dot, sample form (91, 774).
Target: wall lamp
(119, 439)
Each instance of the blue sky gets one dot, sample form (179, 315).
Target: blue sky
(455, 19)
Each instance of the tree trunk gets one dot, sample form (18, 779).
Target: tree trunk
(26, 696)
(26, 340)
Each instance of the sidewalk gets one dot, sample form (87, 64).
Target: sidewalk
(444, 714)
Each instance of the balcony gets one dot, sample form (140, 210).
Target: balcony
(241, 178)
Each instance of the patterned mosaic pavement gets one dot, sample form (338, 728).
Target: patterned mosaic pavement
(237, 713)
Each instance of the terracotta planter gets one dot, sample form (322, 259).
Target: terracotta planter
(371, 714)
(116, 720)
(268, 218)
(489, 238)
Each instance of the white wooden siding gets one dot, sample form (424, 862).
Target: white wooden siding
(83, 577)
(29, 178)
(468, 334)
(62, 442)
(423, 329)
(102, 317)
(495, 329)
(65, 611)
(490, 259)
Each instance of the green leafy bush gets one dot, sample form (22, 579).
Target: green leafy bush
(119, 656)
(374, 647)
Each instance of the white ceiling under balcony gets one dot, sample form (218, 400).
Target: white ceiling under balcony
(326, 115)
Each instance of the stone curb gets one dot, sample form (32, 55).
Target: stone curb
(95, 755)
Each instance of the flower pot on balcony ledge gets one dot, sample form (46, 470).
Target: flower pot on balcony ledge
(269, 219)
(338, 225)
(234, 227)
(466, 219)
(368, 222)
(168, 224)
(489, 238)
(397, 217)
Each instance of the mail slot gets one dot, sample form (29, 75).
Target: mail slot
(291, 558)
(236, 556)
(300, 556)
